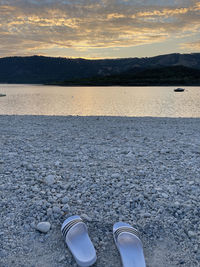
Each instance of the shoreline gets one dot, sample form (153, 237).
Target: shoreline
(141, 170)
(115, 85)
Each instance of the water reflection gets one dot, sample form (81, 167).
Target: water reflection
(87, 101)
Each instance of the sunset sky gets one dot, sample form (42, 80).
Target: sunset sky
(99, 28)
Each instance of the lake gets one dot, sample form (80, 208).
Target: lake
(101, 101)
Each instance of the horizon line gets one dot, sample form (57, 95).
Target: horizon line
(114, 58)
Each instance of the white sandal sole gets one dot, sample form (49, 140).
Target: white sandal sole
(129, 245)
(77, 239)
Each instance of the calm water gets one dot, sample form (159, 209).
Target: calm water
(113, 101)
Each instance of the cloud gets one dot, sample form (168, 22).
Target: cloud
(31, 25)
(193, 46)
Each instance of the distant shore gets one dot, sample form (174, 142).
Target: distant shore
(171, 69)
(144, 171)
(120, 85)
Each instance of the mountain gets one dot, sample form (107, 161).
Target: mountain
(50, 70)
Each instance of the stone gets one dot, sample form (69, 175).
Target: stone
(61, 259)
(86, 217)
(164, 195)
(43, 227)
(49, 211)
(33, 225)
(65, 200)
(146, 215)
(57, 163)
(115, 175)
(50, 179)
(191, 234)
(66, 208)
(56, 209)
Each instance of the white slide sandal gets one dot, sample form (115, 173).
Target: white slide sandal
(76, 237)
(129, 245)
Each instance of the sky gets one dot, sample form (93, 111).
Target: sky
(99, 28)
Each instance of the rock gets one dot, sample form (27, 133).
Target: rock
(58, 195)
(33, 225)
(26, 227)
(43, 227)
(115, 175)
(164, 195)
(56, 209)
(35, 189)
(61, 259)
(191, 234)
(198, 257)
(146, 215)
(50, 179)
(65, 200)
(49, 212)
(66, 208)
(195, 248)
(86, 217)
(29, 167)
(57, 163)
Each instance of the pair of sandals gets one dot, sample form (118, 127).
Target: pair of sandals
(126, 239)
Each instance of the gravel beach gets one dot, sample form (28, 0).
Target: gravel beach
(144, 171)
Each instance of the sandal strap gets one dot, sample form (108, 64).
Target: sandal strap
(69, 225)
(125, 229)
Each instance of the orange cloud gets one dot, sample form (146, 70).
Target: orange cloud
(115, 16)
(91, 25)
(164, 12)
(193, 46)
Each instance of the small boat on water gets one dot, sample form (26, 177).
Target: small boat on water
(179, 90)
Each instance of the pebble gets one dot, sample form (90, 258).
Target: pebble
(33, 225)
(50, 179)
(56, 209)
(61, 259)
(192, 234)
(115, 175)
(66, 208)
(43, 227)
(65, 200)
(86, 217)
(49, 211)
(105, 171)
(165, 195)
(57, 163)
(146, 215)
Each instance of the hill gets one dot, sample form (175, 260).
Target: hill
(174, 75)
(49, 70)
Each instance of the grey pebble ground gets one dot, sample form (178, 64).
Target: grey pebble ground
(144, 171)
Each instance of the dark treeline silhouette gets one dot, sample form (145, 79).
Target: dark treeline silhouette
(164, 69)
(175, 75)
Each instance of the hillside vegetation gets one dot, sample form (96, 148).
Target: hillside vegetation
(175, 75)
(164, 69)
